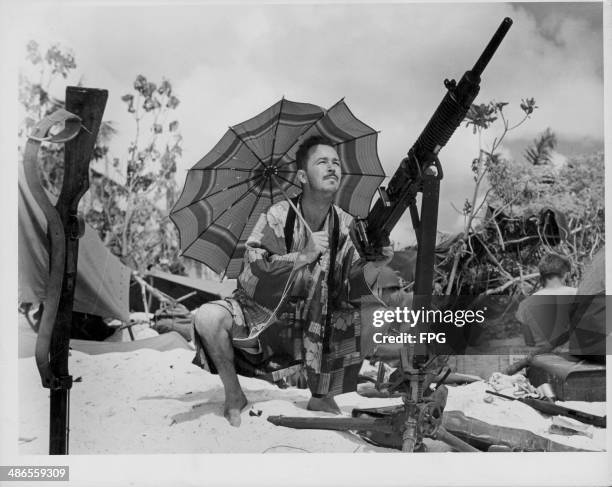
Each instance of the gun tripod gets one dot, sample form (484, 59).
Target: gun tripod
(403, 427)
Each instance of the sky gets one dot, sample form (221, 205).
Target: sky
(230, 62)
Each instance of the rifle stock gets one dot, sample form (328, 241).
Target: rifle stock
(82, 119)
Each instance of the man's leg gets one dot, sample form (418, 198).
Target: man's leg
(213, 324)
(327, 404)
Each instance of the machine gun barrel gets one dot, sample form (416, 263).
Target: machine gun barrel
(492, 46)
(407, 180)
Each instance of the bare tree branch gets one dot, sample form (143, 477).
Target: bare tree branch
(509, 283)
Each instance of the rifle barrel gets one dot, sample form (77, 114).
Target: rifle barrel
(556, 410)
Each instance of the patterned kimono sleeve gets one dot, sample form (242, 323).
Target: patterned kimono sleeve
(267, 265)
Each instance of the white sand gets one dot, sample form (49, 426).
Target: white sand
(158, 402)
(513, 414)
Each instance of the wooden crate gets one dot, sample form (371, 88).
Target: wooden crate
(571, 379)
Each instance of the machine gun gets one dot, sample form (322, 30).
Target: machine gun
(420, 172)
(422, 166)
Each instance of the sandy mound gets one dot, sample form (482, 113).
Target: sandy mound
(158, 402)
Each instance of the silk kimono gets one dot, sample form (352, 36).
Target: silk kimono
(311, 314)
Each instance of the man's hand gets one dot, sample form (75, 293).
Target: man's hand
(386, 257)
(318, 243)
(373, 267)
(387, 254)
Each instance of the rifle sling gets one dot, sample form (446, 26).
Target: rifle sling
(55, 233)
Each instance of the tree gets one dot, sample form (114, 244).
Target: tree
(42, 72)
(575, 191)
(489, 162)
(130, 213)
(521, 209)
(540, 151)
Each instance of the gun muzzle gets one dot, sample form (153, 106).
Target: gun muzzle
(492, 46)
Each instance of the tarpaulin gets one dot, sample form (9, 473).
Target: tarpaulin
(102, 285)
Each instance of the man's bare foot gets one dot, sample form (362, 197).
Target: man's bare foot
(233, 407)
(327, 404)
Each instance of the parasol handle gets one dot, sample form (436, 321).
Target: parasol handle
(297, 212)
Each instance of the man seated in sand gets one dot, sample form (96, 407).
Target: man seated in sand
(296, 294)
(554, 269)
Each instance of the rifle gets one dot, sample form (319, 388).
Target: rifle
(553, 409)
(82, 119)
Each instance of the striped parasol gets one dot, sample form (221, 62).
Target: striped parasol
(253, 166)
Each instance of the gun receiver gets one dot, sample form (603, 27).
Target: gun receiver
(422, 161)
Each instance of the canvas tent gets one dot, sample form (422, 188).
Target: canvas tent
(193, 292)
(102, 285)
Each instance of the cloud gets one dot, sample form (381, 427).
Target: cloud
(229, 62)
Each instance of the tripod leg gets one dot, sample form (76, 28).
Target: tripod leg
(409, 437)
(453, 441)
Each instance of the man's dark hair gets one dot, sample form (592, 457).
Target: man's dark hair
(302, 153)
(553, 265)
